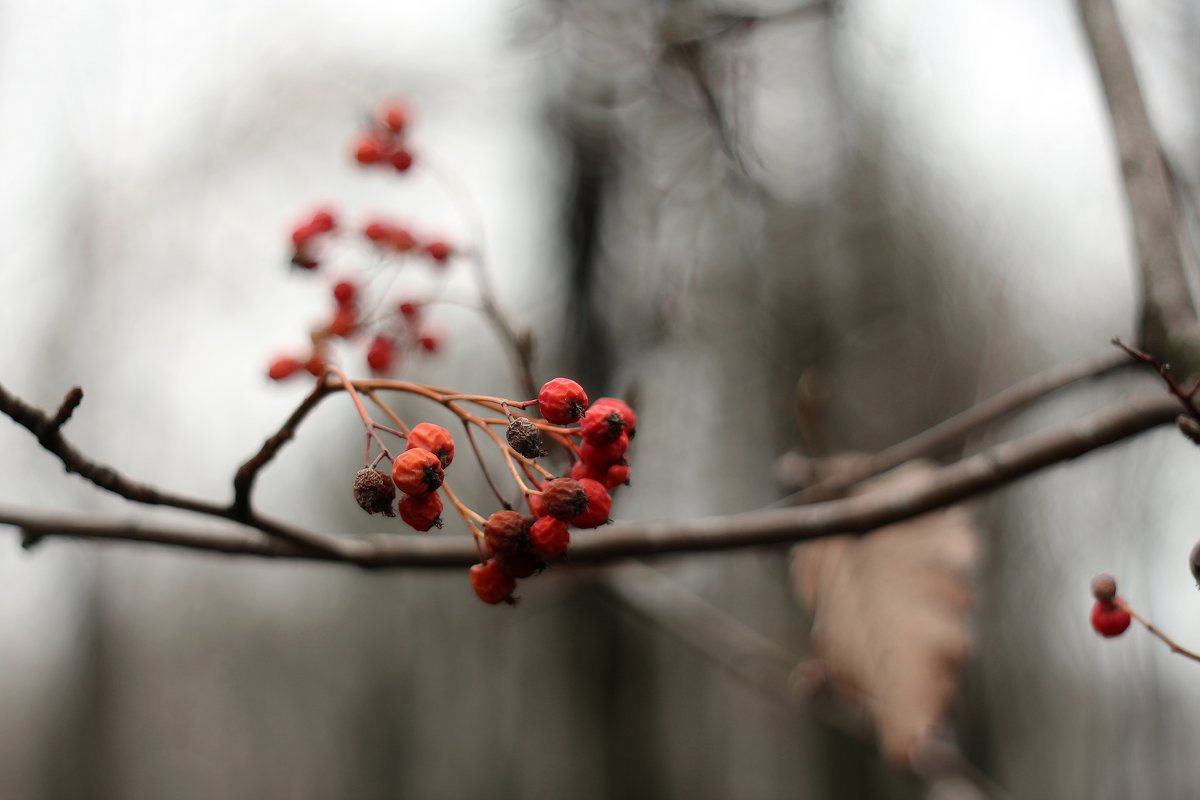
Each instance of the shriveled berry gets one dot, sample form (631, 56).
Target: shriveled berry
(1104, 587)
(524, 437)
(506, 532)
(374, 492)
(491, 583)
(598, 505)
(562, 401)
(550, 537)
(603, 455)
(381, 355)
(602, 424)
(564, 498)
(433, 438)
(421, 511)
(283, 368)
(521, 562)
(417, 471)
(1109, 619)
(344, 293)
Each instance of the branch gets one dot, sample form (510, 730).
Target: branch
(1169, 325)
(986, 471)
(957, 428)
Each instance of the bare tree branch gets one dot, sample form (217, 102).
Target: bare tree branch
(1169, 325)
(983, 472)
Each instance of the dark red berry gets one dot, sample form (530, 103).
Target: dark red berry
(433, 438)
(381, 355)
(521, 562)
(624, 410)
(562, 401)
(550, 537)
(394, 117)
(506, 532)
(582, 469)
(1109, 619)
(323, 221)
(401, 160)
(491, 583)
(430, 344)
(344, 293)
(368, 150)
(601, 456)
(408, 309)
(421, 511)
(417, 471)
(564, 498)
(617, 475)
(598, 506)
(439, 251)
(376, 231)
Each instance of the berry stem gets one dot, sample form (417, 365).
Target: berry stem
(1154, 631)
(487, 475)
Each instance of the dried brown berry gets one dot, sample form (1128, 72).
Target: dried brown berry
(564, 498)
(1104, 588)
(374, 492)
(506, 532)
(524, 437)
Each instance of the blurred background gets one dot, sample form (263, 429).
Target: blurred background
(917, 202)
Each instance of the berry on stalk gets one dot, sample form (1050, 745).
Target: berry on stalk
(599, 503)
(549, 536)
(374, 492)
(562, 401)
(421, 511)
(564, 498)
(417, 471)
(433, 438)
(491, 583)
(1109, 619)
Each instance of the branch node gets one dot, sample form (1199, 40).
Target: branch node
(31, 538)
(70, 402)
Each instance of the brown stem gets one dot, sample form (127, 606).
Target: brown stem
(986, 471)
(1167, 640)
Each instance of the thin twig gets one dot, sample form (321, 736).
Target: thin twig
(953, 431)
(983, 472)
(1167, 640)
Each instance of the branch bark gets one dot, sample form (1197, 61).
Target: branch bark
(986, 471)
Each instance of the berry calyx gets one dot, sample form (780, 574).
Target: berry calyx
(491, 583)
(433, 438)
(599, 503)
(1109, 619)
(374, 492)
(550, 537)
(562, 401)
(624, 409)
(564, 498)
(417, 471)
(421, 511)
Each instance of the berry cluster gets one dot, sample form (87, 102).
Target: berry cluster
(511, 545)
(387, 328)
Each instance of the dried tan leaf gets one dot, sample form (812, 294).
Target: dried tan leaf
(891, 615)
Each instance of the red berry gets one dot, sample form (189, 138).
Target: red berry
(283, 368)
(315, 365)
(401, 160)
(417, 471)
(323, 221)
(1109, 619)
(550, 537)
(624, 410)
(421, 511)
(535, 505)
(430, 344)
(344, 293)
(439, 251)
(401, 239)
(301, 234)
(491, 583)
(601, 424)
(582, 469)
(409, 310)
(563, 498)
(599, 504)
(368, 150)
(394, 117)
(381, 355)
(433, 438)
(376, 231)
(562, 401)
(602, 456)
(521, 562)
(506, 532)
(617, 475)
